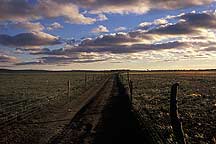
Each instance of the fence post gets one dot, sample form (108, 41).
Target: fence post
(69, 89)
(174, 116)
(128, 77)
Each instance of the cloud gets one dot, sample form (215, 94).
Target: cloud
(174, 29)
(160, 21)
(16, 10)
(31, 50)
(22, 10)
(187, 38)
(100, 29)
(102, 17)
(188, 24)
(38, 62)
(165, 41)
(204, 19)
(109, 39)
(154, 24)
(135, 6)
(29, 39)
(51, 9)
(145, 24)
(212, 48)
(164, 36)
(64, 60)
(28, 26)
(54, 26)
(120, 29)
(7, 59)
(116, 49)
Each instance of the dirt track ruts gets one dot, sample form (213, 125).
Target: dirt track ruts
(108, 119)
(82, 127)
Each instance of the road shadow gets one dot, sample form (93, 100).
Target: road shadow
(118, 124)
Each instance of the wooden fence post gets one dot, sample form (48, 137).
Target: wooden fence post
(174, 116)
(128, 77)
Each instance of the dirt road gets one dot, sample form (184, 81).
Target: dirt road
(106, 120)
(82, 127)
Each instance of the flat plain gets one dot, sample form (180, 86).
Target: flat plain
(196, 101)
(39, 97)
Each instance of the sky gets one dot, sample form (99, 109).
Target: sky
(107, 34)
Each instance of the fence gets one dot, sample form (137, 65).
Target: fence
(16, 110)
(148, 121)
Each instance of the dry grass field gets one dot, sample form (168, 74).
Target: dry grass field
(196, 101)
(37, 103)
(25, 92)
(47, 85)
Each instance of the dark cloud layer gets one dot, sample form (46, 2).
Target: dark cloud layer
(22, 10)
(7, 59)
(121, 49)
(29, 39)
(16, 10)
(133, 6)
(188, 24)
(61, 60)
(107, 40)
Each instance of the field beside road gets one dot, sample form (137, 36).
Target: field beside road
(37, 104)
(51, 107)
(196, 101)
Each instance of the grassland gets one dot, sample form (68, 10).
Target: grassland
(24, 93)
(50, 85)
(151, 92)
(196, 101)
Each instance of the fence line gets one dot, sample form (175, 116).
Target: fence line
(174, 116)
(25, 108)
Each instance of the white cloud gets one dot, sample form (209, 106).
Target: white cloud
(160, 21)
(102, 17)
(29, 26)
(22, 10)
(120, 29)
(52, 9)
(100, 29)
(144, 24)
(54, 26)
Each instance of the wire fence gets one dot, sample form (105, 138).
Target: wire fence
(23, 95)
(196, 102)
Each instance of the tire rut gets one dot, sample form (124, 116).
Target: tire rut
(119, 125)
(82, 128)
